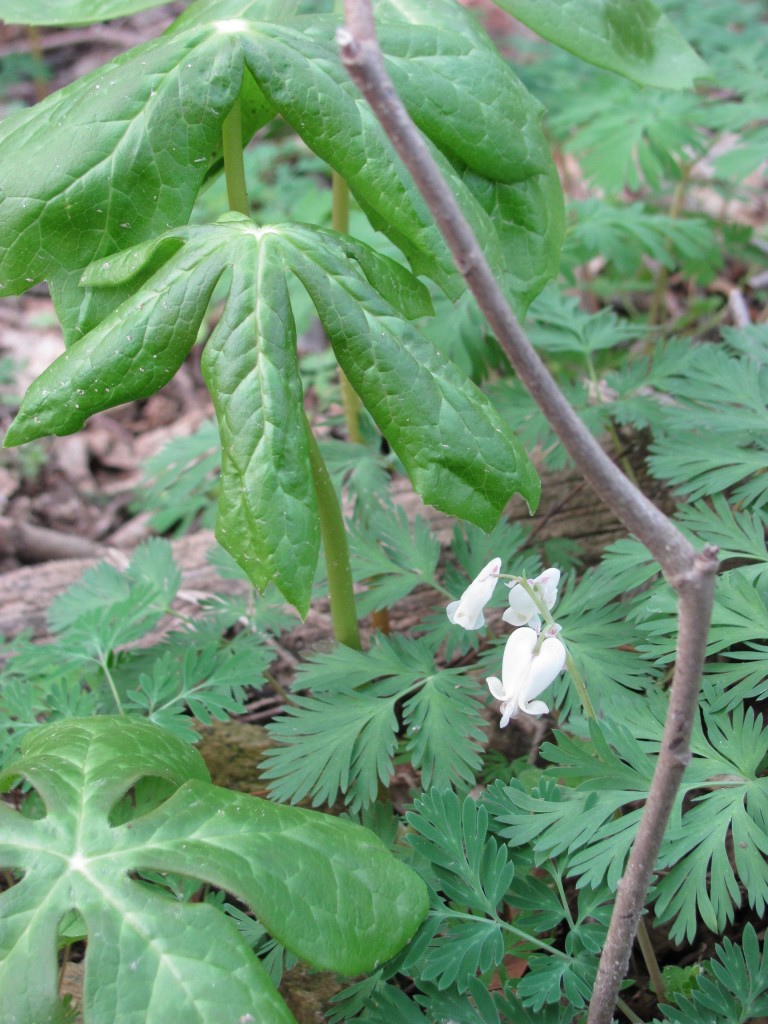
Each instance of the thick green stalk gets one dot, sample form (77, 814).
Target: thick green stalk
(340, 222)
(234, 168)
(336, 549)
(332, 529)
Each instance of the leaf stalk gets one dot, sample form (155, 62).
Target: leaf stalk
(336, 549)
(234, 168)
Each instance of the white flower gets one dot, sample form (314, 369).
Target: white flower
(468, 612)
(524, 674)
(522, 611)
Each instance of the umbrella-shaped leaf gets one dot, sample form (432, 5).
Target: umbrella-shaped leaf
(329, 890)
(460, 454)
(148, 128)
(267, 505)
(145, 127)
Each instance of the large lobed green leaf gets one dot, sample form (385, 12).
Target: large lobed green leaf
(113, 159)
(459, 453)
(328, 889)
(68, 12)
(630, 37)
(148, 129)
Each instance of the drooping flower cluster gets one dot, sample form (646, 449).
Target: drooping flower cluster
(532, 660)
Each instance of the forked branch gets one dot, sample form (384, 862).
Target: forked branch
(689, 571)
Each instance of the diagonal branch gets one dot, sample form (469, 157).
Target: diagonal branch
(691, 573)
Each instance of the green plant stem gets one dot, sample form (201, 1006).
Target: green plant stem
(336, 549)
(628, 1012)
(649, 956)
(340, 222)
(505, 926)
(111, 684)
(234, 168)
(279, 689)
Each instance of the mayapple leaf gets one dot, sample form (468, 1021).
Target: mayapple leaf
(148, 128)
(68, 12)
(304, 80)
(327, 889)
(631, 37)
(129, 355)
(460, 454)
(267, 505)
(460, 91)
(474, 113)
(111, 160)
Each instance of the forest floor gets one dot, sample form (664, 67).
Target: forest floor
(67, 502)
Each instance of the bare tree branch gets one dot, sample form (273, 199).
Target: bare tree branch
(690, 573)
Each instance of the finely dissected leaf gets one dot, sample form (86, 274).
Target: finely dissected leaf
(631, 37)
(341, 739)
(445, 731)
(626, 234)
(391, 555)
(626, 138)
(731, 988)
(68, 12)
(471, 869)
(723, 839)
(107, 609)
(327, 889)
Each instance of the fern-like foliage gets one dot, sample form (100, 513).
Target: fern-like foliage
(624, 235)
(392, 555)
(340, 740)
(585, 808)
(180, 483)
(99, 659)
(734, 392)
(732, 987)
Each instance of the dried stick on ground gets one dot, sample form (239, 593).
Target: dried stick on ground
(691, 573)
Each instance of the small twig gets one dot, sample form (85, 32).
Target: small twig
(30, 543)
(690, 573)
(738, 307)
(58, 40)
